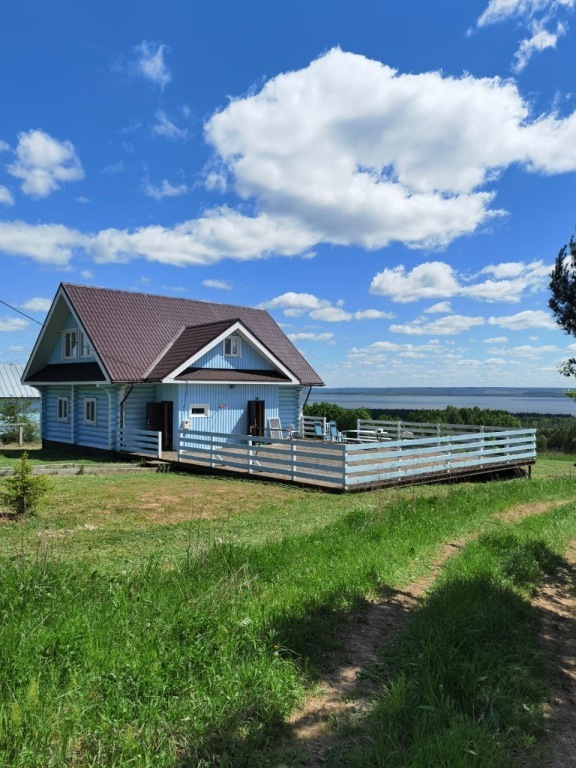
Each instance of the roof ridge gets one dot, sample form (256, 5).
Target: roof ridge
(162, 296)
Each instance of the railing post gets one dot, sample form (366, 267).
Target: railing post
(249, 444)
(344, 466)
(399, 430)
(293, 458)
(20, 434)
(159, 445)
(449, 456)
(211, 450)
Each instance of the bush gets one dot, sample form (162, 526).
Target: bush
(22, 491)
(18, 412)
(345, 418)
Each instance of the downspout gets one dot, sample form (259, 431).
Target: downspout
(307, 396)
(122, 405)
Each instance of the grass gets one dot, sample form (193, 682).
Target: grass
(182, 626)
(467, 681)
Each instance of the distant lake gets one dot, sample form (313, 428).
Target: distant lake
(512, 399)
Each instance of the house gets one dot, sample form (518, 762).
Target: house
(110, 360)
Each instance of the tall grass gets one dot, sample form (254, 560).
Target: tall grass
(467, 681)
(198, 662)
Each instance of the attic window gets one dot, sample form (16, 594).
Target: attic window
(84, 345)
(232, 346)
(70, 344)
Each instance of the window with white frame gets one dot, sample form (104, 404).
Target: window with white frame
(84, 348)
(232, 346)
(70, 343)
(62, 409)
(90, 411)
(199, 411)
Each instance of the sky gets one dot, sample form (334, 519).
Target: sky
(391, 180)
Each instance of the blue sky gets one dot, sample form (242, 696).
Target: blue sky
(391, 180)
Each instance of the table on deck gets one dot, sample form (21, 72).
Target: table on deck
(365, 436)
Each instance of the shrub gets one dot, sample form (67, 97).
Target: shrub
(22, 491)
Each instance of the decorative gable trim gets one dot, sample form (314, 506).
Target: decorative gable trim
(236, 328)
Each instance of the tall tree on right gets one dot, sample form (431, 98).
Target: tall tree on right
(563, 301)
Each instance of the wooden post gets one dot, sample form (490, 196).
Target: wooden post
(20, 434)
(293, 458)
(249, 444)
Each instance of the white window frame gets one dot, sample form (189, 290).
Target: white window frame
(84, 347)
(90, 404)
(199, 410)
(71, 333)
(63, 409)
(232, 346)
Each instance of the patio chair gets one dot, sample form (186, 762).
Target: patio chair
(319, 431)
(333, 433)
(275, 429)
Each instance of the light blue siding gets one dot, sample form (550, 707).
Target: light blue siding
(135, 404)
(57, 354)
(52, 429)
(289, 405)
(97, 435)
(249, 359)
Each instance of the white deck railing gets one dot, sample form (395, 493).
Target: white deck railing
(345, 465)
(140, 441)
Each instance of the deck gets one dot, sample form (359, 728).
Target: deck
(422, 454)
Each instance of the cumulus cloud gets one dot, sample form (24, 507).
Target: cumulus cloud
(37, 305)
(540, 40)
(442, 308)
(450, 325)
(44, 163)
(348, 151)
(46, 243)
(530, 318)
(219, 285)
(150, 63)
(164, 189)
(164, 126)
(504, 10)
(9, 324)
(6, 196)
(436, 280)
(310, 336)
(296, 304)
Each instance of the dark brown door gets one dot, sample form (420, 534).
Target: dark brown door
(159, 419)
(256, 418)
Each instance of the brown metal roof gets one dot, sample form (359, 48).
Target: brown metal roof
(227, 374)
(131, 332)
(188, 343)
(67, 372)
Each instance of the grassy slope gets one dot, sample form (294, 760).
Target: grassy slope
(202, 654)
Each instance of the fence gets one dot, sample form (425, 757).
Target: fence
(346, 465)
(140, 441)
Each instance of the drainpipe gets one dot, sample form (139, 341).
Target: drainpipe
(122, 405)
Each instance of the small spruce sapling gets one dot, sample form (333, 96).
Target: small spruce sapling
(22, 491)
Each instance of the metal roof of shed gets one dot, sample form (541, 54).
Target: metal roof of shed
(10, 385)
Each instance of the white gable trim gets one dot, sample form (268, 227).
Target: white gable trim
(244, 333)
(60, 294)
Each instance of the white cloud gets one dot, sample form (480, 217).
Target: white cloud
(44, 163)
(496, 340)
(310, 336)
(348, 151)
(166, 127)
(530, 318)
(331, 314)
(301, 302)
(219, 285)
(540, 17)
(37, 304)
(82, 200)
(436, 279)
(150, 63)
(114, 167)
(373, 314)
(540, 40)
(6, 196)
(444, 326)
(296, 304)
(164, 189)
(45, 243)
(4, 146)
(443, 307)
(9, 324)
(87, 274)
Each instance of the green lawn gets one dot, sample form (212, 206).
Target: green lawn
(175, 620)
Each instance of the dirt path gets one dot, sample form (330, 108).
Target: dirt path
(556, 601)
(362, 637)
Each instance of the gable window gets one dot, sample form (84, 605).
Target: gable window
(84, 347)
(199, 410)
(62, 409)
(232, 346)
(70, 344)
(90, 411)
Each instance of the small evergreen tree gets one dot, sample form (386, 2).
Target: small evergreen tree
(22, 491)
